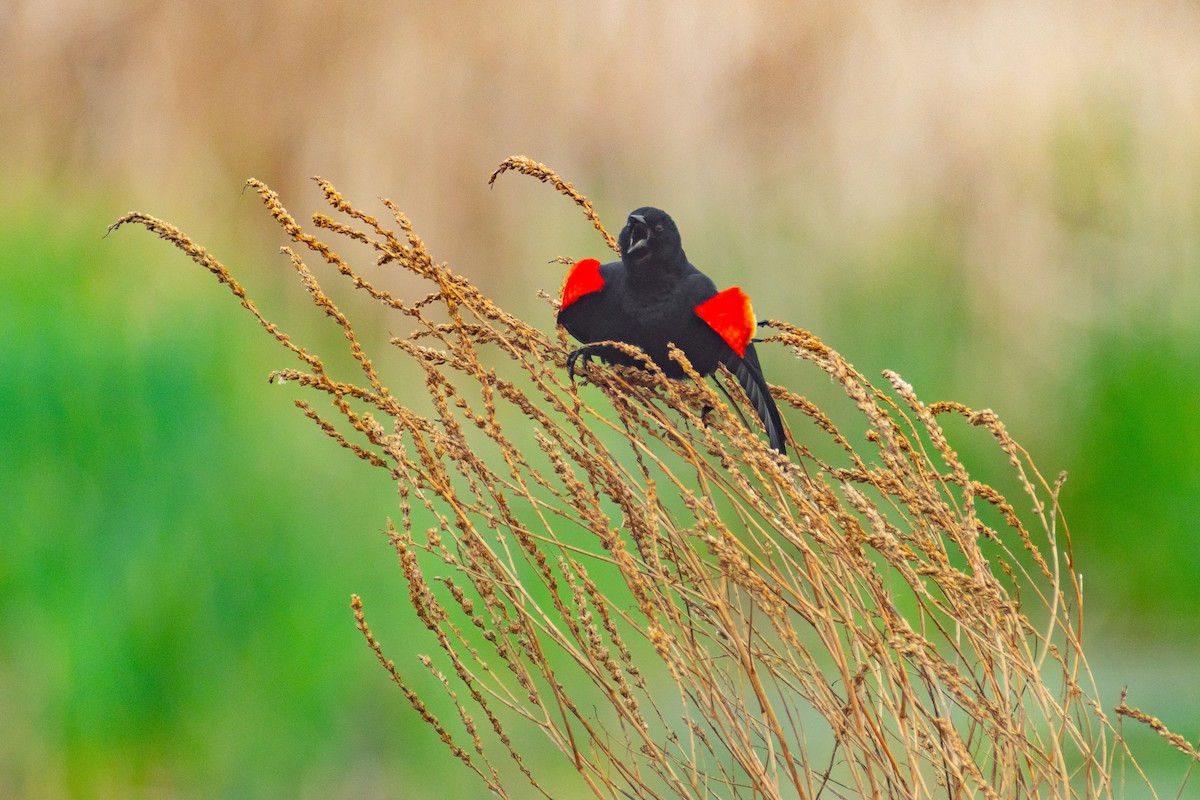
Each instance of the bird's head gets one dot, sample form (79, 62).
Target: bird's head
(649, 232)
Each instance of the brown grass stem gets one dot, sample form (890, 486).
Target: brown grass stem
(672, 605)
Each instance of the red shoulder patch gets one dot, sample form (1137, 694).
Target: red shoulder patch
(584, 278)
(729, 314)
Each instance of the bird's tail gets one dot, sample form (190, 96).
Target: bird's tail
(749, 374)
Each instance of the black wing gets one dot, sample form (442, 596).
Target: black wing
(749, 374)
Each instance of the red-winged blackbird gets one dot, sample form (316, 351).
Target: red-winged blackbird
(653, 296)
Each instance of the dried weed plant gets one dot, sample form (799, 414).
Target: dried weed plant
(677, 609)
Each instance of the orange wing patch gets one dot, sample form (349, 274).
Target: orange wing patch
(584, 278)
(729, 314)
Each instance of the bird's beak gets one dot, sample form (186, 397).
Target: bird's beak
(639, 233)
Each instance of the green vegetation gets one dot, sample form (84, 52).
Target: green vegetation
(179, 544)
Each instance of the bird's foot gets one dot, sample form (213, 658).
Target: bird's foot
(587, 353)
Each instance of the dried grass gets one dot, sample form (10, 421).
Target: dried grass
(676, 608)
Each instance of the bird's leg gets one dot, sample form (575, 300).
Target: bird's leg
(587, 353)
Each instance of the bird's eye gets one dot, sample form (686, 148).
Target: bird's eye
(658, 227)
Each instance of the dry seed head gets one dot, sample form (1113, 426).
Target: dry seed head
(673, 606)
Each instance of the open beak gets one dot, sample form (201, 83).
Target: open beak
(639, 233)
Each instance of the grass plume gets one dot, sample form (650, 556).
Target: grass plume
(628, 570)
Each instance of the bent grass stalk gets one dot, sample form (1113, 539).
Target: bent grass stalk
(633, 574)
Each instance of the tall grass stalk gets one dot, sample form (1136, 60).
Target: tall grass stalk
(626, 569)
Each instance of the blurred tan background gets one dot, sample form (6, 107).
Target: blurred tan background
(998, 200)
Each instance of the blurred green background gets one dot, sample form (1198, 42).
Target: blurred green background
(1001, 201)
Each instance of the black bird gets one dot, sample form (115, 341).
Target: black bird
(653, 296)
